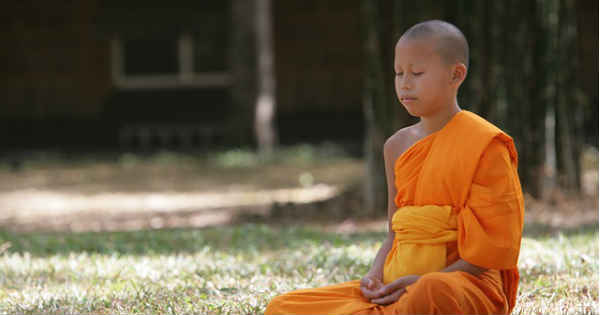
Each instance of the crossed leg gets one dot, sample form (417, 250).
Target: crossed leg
(433, 293)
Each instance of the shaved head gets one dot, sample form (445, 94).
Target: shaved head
(449, 41)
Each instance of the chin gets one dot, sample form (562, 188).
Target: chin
(412, 111)
(417, 115)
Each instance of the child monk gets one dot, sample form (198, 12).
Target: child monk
(455, 202)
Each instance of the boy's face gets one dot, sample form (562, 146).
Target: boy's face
(423, 80)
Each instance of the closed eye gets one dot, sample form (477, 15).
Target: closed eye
(416, 74)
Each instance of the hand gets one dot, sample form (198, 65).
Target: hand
(370, 285)
(391, 292)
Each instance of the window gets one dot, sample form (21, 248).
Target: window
(150, 57)
(192, 60)
(210, 50)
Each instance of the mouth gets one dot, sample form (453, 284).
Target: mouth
(407, 99)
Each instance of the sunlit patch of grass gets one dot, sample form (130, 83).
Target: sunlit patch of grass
(227, 270)
(232, 169)
(559, 274)
(238, 269)
(236, 157)
(302, 154)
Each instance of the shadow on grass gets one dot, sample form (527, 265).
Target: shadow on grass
(238, 238)
(539, 230)
(242, 238)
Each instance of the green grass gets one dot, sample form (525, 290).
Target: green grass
(238, 269)
(224, 158)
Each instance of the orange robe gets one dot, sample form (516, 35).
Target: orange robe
(458, 196)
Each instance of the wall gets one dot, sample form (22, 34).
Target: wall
(57, 87)
(319, 69)
(57, 66)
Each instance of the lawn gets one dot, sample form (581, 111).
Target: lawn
(237, 269)
(139, 234)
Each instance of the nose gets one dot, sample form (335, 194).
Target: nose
(405, 82)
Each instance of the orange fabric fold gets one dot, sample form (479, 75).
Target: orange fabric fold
(468, 168)
(421, 234)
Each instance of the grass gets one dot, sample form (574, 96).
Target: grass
(233, 269)
(238, 269)
(559, 273)
(239, 158)
(90, 173)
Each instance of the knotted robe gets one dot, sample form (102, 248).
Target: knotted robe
(458, 197)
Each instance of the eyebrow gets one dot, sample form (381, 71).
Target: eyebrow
(411, 64)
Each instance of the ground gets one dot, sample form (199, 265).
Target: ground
(177, 233)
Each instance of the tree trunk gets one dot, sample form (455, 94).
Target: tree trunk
(512, 36)
(487, 105)
(575, 96)
(587, 63)
(468, 96)
(525, 84)
(565, 131)
(383, 23)
(374, 99)
(242, 60)
(536, 111)
(266, 134)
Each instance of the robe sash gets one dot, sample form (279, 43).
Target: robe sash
(421, 236)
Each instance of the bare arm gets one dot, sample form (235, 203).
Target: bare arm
(462, 265)
(377, 267)
(373, 281)
(390, 153)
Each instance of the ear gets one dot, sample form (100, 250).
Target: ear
(459, 74)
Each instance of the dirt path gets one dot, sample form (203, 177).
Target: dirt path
(114, 196)
(105, 196)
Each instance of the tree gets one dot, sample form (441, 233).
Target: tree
(530, 61)
(566, 106)
(587, 62)
(533, 127)
(383, 113)
(243, 68)
(266, 134)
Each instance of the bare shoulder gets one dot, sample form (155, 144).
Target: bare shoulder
(399, 142)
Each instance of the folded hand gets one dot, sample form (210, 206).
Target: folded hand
(391, 292)
(370, 286)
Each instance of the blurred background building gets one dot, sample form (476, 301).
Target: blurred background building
(198, 75)
(149, 74)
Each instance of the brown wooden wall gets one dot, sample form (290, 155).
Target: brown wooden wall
(57, 83)
(318, 55)
(57, 65)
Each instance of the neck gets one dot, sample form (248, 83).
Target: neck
(439, 119)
